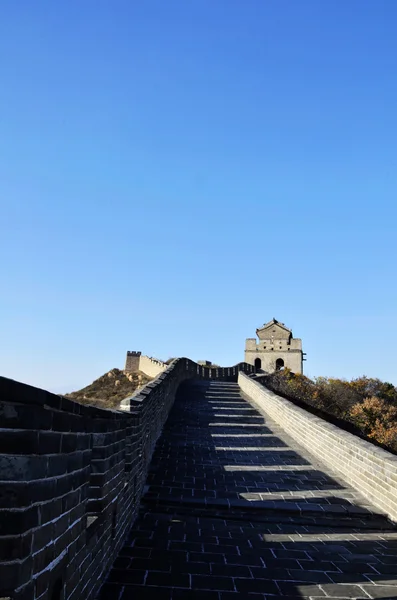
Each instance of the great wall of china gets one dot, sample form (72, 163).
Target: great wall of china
(204, 482)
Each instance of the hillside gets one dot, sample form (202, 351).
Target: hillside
(108, 390)
(365, 406)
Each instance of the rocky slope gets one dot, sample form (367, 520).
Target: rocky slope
(108, 390)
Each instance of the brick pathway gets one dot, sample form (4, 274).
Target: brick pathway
(235, 509)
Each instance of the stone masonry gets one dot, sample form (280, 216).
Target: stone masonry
(229, 492)
(132, 361)
(148, 365)
(71, 480)
(368, 468)
(236, 509)
(276, 349)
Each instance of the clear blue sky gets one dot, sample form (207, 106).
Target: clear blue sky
(173, 174)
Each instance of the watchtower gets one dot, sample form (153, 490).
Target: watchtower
(277, 348)
(132, 361)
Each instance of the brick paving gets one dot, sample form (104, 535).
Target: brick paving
(236, 509)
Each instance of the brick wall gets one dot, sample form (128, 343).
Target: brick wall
(150, 366)
(369, 469)
(292, 359)
(71, 479)
(132, 361)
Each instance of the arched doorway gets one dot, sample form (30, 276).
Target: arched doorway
(279, 364)
(258, 363)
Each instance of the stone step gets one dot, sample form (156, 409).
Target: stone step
(272, 507)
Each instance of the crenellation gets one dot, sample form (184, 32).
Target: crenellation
(152, 367)
(132, 361)
(276, 349)
(72, 477)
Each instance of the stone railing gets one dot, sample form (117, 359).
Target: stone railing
(371, 470)
(71, 480)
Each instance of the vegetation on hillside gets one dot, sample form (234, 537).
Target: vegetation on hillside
(369, 405)
(108, 390)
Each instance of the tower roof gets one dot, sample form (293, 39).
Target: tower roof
(271, 323)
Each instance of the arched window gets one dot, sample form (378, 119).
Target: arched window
(279, 364)
(258, 363)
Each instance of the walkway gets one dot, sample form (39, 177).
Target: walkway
(235, 509)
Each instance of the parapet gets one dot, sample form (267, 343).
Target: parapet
(250, 344)
(72, 480)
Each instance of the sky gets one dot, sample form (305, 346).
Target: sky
(174, 174)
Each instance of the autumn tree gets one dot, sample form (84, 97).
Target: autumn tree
(369, 403)
(377, 419)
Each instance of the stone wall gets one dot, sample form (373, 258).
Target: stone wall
(71, 479)
(132, 361)
(151, 366)
(369, 469)
(291, 359)
(276, 343)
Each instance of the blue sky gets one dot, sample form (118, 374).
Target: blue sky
(175, 174)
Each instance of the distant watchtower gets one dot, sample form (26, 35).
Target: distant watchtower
(132, 361)
(276, 349)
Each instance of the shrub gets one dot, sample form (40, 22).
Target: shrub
(377, 419)
(368, 404)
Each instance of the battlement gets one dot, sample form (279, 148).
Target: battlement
(276, 349)
(156, 361)
(148, 365)
(72, 480)
(73, 477)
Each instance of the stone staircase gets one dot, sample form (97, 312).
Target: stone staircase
(233, 507)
